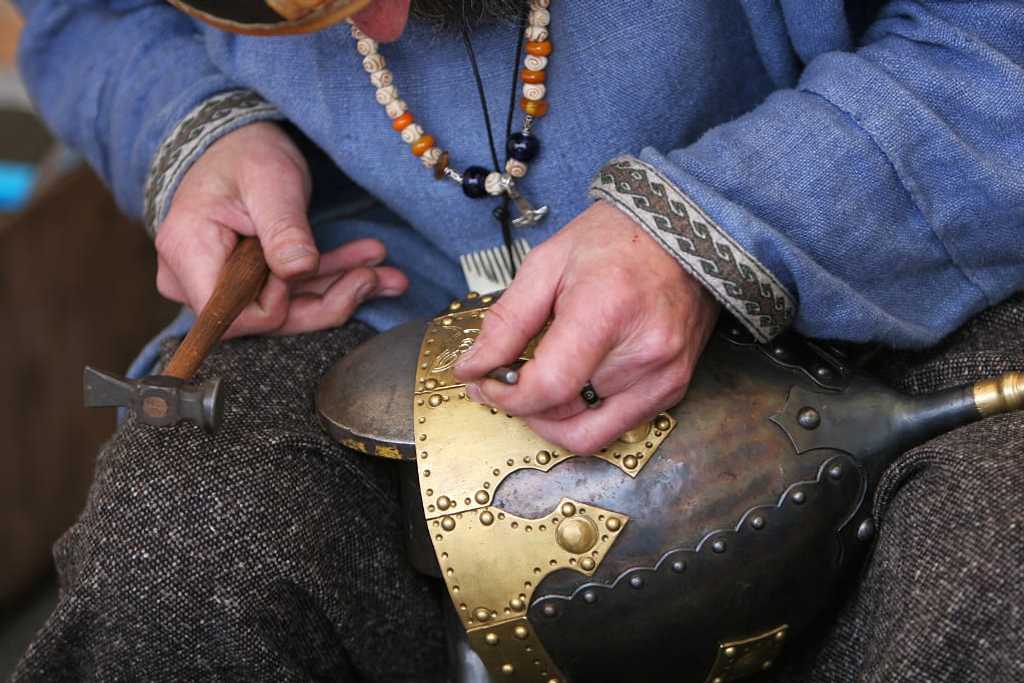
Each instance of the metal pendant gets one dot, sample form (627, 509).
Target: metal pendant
(527, 214)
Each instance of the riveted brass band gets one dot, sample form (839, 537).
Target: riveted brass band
(1000, 394)
(483, 446)
(492, 560)
(738, 659)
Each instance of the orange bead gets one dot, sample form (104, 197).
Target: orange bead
(402, 121)
(534, 107)
(539, 49)
(530, 76)
(422, 145)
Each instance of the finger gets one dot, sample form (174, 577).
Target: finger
(565, 359)
(195, 249)
(609, 379)
(166, 282)
(361, 252)
(277, 197)
(592, 430)
(264, 315)
(310, 313)
(515, 318)
(392, 282)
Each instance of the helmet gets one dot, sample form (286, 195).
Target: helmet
(694, 548)
(271, 17)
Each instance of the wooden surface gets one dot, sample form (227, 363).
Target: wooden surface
(76, 287)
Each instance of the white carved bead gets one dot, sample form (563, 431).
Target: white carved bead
(537, 34)
(412, 133)
(373, 63)
(540, 17)
(366, 46)
(540, 4)
(534, 91)
(382, 78)
(387, 94)
(535, 63)
(395, 108)
(516, 168)
(356, 33)
(431, 157)
(493, 184)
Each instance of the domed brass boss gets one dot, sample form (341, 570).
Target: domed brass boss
(270, 17)
(577, 535)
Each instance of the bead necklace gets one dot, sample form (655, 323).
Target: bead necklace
(522, 147)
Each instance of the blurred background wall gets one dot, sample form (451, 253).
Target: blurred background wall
(76, 287)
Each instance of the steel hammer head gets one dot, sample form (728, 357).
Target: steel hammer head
(157, 400)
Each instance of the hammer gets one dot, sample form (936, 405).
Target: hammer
(162, 400)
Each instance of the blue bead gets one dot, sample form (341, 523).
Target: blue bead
(522, 147)
(473, 182)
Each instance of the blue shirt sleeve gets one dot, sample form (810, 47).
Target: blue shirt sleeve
(886, 190)
(112, 78)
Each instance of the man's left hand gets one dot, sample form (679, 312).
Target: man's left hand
(625, 316)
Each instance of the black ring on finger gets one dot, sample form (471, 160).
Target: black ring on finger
(590, 395)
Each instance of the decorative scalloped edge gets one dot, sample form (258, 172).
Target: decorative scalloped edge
(718, 533)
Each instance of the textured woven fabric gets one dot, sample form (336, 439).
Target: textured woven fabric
(270, 553)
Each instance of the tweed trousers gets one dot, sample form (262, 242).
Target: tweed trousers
(269, 552)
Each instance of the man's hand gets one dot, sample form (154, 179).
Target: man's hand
(254, 181)
(626, 317)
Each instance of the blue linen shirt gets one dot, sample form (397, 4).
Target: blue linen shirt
(867, 153)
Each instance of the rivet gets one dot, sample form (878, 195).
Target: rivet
(447, 523)
(717, 679)
(517, 604)
(808, 418)
(430, 492)
(447, 321)
(455, 305)
(435, 400)
(482, 614)
(767, 665)
(589, 597)
(730, 651)
(430, 384)
(550, 610)
(487, 518)
(521, 632)
(836, 471)
(866, 530)
(443, 503)
(718, 546)
(613, 524)
(662, 424)
(482, 497)
(507, 669)
(510, 462)
(543, 457)
(779, 351)
(568, 509)
(491, 638)
(757, 522)
(824, 373)
(487, 299)
(678, 566)
(577, 535)
(799, 497)
(636, 434)
(472, 295)
(629, 462)
(636, 582)
(781, 635)
(587, 564)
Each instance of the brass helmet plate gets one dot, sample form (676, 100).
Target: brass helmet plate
(271, 17)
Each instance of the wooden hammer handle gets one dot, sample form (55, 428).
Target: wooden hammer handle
(239, 283)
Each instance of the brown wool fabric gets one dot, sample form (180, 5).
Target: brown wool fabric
(268, 552)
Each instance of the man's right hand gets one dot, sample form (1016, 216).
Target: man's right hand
(255, 181)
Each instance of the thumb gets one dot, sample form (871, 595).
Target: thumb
(277, 203)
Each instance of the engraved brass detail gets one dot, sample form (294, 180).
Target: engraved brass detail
(483, 446)
(386, 451)
(492, 560)
(741, 658)
(513, 649)
(1000, 394)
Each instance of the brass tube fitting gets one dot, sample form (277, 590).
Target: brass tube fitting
(1000, 394)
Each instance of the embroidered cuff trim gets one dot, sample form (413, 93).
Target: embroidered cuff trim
(741, 284)
(204, 125)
